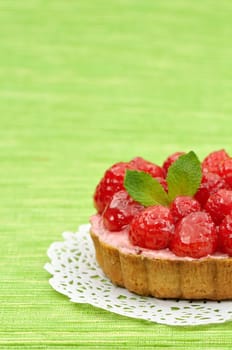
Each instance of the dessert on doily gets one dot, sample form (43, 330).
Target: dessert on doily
(167, 231)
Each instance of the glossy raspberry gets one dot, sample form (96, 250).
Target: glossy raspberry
(212, 161)
(120, 211)
(219, 205)
(170, 160)
(182, 206)
(152, 228)
(111, 183)
(225, 171)
(225, 235)
(195, 236)
(210, 184)
(141, 164)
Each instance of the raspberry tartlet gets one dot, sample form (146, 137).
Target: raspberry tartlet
(166, 231)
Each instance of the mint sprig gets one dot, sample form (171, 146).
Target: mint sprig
(183, 178)
(143, 188)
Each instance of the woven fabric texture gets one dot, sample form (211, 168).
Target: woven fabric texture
(84, 84)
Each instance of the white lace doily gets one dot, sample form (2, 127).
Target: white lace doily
(77, 275)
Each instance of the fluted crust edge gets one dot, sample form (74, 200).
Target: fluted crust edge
(207, 278)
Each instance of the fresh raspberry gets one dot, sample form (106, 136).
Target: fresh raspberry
(225, 171)
(152, 228)
(113, 179)
(212, 161)
(182, 206)
(225, 235)
(141, 164)
(210, 184)
(120, 211)
(111, 183)
(170, 160)
(219, 205)
(195, 236)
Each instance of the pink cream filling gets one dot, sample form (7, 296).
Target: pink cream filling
(120, 240)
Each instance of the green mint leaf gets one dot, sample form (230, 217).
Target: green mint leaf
(143, 188)
(184, 176)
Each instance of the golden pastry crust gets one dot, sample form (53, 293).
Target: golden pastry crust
(208, 278)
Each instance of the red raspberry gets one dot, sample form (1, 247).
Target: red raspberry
(195, 236)
(120, 211)
(225, 235)
(111, 183)
(141, 164)
(210, 184)
(113, 179)
(212, 161)
(170, 160)
(182, 206)
(219, 205)
(225, 170)
(152, 228)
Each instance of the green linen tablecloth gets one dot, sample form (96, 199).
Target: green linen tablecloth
(84, 84)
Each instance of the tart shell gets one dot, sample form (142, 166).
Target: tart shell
(206, 278)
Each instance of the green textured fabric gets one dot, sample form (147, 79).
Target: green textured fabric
(84, 84)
